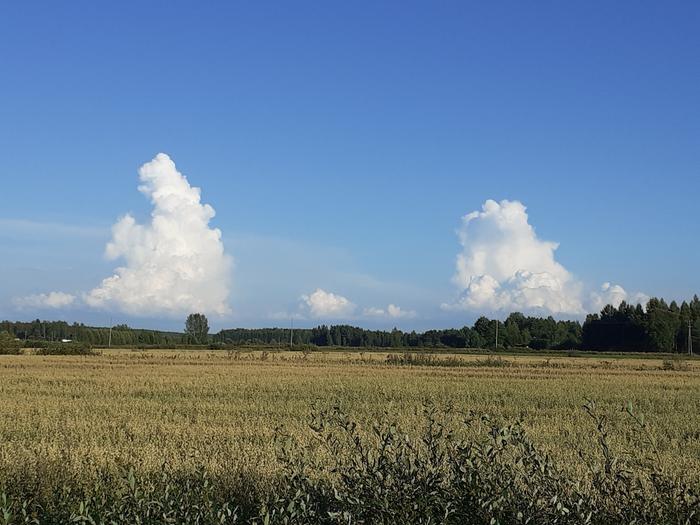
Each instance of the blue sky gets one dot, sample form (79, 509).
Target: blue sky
(341, 143)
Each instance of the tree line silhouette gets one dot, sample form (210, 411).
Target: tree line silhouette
(658, 327)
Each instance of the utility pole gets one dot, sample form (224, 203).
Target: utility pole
(109, 341)
(496, 333)
(291, 333)
(690, 338)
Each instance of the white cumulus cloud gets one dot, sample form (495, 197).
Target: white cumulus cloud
(321, 303)
(392, 311)
(46, 300)
(505, 266)
(397, 313)
(175, 263)
(614, 294)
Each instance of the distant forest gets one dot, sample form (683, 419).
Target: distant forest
(660, 327)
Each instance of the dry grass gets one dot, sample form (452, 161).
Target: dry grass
(76, 416)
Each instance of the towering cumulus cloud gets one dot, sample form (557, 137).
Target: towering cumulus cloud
(173, 265)
(505, 266)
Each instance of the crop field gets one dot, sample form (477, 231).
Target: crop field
(73, 423)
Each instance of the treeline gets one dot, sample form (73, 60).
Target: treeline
(660, 327)
(122, 334)
(517, 331)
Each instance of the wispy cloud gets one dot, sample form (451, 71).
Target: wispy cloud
(12, 227)
(45, 300)
(391, 311)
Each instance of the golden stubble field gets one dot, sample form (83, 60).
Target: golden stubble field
(77, 416)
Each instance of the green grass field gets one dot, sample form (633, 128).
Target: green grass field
(75, 419)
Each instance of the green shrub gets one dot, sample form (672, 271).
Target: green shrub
(675, 363)
(8, 344)
(71, 348)
(419, 359)
(496, 475)
(167, 499)
(493, 362)
(478, 472)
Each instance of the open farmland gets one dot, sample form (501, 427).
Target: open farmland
(81, 420)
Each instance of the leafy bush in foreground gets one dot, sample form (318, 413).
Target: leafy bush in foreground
(496, 476)
(480, 472)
